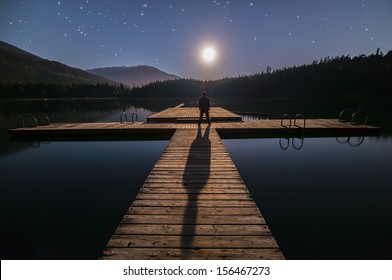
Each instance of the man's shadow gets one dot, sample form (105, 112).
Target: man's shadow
(195, 177)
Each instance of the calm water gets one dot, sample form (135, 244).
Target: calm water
(331, 199)
(63, 200)
(326, 201)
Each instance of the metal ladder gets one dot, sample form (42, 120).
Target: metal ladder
(354, 115)
(37, 120)
(293, 143)
(125, 116)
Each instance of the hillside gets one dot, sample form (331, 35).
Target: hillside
(18, 66)
(133, 76)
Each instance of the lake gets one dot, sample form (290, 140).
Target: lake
(323, 198)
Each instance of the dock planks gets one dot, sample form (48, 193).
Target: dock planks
(253, 128)
(193, 205)
(191, 114)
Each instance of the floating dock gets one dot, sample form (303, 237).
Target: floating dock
(191, 115)
(164, 124)
(194, 204)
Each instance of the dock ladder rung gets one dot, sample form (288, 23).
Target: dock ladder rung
(35, 119)
(299, 116)
(29, 116)
(344, 112)
(353, 116)
(123, 115)
(285, 116)
(135, 115)
(44, 117)
(357, 113)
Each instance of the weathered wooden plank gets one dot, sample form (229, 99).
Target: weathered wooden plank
(204, 186)
(195, 180)
(182, 190)
(196, 254)
(182, 165)
(194, 176)
(216, 211)
(195, 196)
(207, 230)
(206, 242)
(193, 203)
(193, 171)
(193, 217)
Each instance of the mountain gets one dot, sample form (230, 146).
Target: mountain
(133, 76)
(19, 66)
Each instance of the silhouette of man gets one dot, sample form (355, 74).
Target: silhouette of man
(204, 107)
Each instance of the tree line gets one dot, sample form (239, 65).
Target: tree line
(335, 77)
(342, 76)
(59, 90)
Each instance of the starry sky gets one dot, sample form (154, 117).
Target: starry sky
(247, 35)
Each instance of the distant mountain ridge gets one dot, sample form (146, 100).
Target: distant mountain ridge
(19, 66)
(133, 75)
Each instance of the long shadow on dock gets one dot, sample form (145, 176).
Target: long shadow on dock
(195, 177)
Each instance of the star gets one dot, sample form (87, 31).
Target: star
(228, 22)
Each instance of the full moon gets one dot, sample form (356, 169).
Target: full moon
(208, 54)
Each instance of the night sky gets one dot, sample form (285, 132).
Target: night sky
(244, 36)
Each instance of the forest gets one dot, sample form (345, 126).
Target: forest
(60, 90)
(337, 77)
(328, 78)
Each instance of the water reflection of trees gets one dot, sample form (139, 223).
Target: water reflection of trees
(74, 110)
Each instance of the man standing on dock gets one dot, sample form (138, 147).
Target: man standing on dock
(204, 107)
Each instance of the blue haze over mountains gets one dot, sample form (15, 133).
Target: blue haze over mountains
(17, 65)
(134, 75)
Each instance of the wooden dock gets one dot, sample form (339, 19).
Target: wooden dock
(191, 114)
(193, 205)
(162, 125)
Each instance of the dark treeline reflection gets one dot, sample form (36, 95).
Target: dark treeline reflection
(73, 110)
(90, 110)
(68, 110)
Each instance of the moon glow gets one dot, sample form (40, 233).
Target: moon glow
(208, 54)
